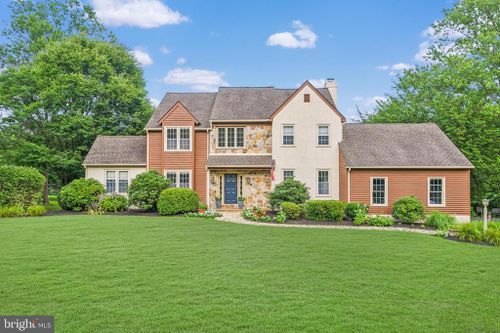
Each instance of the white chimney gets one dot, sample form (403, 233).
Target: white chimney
(332, 88)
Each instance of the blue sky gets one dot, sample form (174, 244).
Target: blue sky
(188, 45)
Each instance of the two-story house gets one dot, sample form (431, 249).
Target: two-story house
(240, 142)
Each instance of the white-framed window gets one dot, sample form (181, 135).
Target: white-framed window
(116, 181)
(179, 178)
(230, 137)
(323, 182)
(436, 191)
(178, 138)
(378, 191)
(288, 135)
(323, 135)
(288, 174)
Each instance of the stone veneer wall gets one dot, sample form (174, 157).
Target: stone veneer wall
(256, 186)
(258, 140)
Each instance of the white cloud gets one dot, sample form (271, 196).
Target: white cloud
(136, 13)
(154, 101)
(142, 57)
(318, 83)
(181, 61)
(196, 79)
(165, 50)
(395, 69)
(423, 50)
(303, 37)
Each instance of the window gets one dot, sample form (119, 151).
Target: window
(288, 136)
(323, 182)
(123, 181)
(288, 174)
(379, 191)
(323, 135)
(178, 178)
(436, 191)
(178, 138)
(230, 137)
(307, 98)
(110, 181)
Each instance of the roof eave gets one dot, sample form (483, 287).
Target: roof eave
(410, 167)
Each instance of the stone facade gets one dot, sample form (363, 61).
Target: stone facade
(258, 140)
(256, 186)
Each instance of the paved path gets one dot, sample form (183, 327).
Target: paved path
(235, 217)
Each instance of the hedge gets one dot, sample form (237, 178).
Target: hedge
(291, 210)
(325, 210)
(114, 203)
(178, 200)
(145, 190)
(408, 210)
(289, 190)
(20, 186)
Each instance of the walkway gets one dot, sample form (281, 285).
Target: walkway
(235, 217)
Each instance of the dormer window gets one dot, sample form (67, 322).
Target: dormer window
(307, 98)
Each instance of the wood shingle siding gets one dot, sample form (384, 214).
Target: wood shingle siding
(155, 150)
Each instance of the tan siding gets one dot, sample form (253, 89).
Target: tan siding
(155, 149)
(342, 178)
(200, 164)
(414, 182)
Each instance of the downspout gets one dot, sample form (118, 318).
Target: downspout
(348, 184)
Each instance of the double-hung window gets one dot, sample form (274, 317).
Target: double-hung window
(288, 174)
(123, 181)
(179, 178)
(436, 191)
(230, 137)
(323, 135)
(110, 181)
(379, 191)
(288, 135)
(323, 182)
(178, 138)
(116, 181)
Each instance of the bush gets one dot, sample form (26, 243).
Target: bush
(113, 203)
(289, 190)
(354, 208)
(291, 210)
(36, 210)
(470, 232)
(361, 218)
(13, 211)
(493, 236)
(325, 210)
(380, 221)
(144, 190)
(408, 210)
(256, 214)
(177, 200)
(439, 221)
(280, 217)
(80, 194)
(20, 186)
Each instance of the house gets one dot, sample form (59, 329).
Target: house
(240, 142)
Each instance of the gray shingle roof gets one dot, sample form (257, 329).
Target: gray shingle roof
(224, 161)
(125, 150)
(399, 145)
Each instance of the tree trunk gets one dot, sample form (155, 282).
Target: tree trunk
(46, 189)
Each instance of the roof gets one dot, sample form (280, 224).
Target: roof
(118, 150)
(225, 161)
(399, 145)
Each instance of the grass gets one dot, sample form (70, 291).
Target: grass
(53, 205)
(144, 274)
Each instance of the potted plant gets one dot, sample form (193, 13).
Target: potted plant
(218, 202)
(241, 200)
(202, 207)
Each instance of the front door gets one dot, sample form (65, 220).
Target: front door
(230, 189)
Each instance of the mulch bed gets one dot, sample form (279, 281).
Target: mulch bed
(350, 223)
(133, 212)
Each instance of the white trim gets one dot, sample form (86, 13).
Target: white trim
(178, 178)
(287, 169)
(317, 136)
(386, 203)
(226, 136)
(443, 191)
(240, 166)
(329, 183)
(178, 139)
(409, 167)
(283, 135)
(239, 154)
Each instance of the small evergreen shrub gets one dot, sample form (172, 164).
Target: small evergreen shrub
(13, 211)
(80, 194)
(380, 221)
(289, 190)
(20, 186)
(144, 190)
(178, 200)
(291, 210)
(439, 221)
(280, 217)
(408, 210)
(325, 210)
(361, 217)
(36, 210)
(354, 208)
(114, 203)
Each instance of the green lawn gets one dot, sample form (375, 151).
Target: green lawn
(144, 274)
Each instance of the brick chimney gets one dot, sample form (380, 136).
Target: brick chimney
(331, 85)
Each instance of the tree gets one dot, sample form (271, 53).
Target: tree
(458, 89)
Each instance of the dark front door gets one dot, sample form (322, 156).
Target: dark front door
(230, 189)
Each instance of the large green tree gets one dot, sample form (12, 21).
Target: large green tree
(458, 89)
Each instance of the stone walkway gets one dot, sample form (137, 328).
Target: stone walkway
(235, 217)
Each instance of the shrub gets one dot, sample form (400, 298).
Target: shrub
(493, 236)
(80, 194)
(289, 190)
(13, 211)
(177, 200)
(291, 210)
(202, 206)
(280, 217)
(325, 210)
(354, 208)
(209, 214)
(408, 210)
(470, 232)
(36, 210)
(380, 221)
(361, 217)
(113, 203)
(439, 221)
(144, 190)
(256, 214)
(20, 186)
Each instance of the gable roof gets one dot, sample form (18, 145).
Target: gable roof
(117, 150)
(184, 109)
(399, 145)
